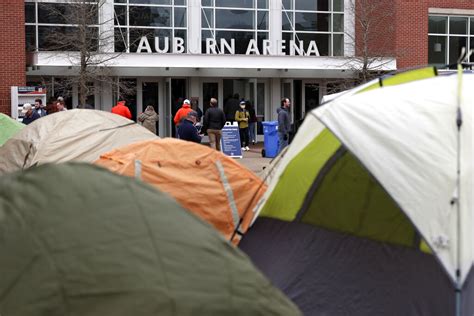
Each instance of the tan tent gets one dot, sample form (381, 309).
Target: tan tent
(80, 135)
(202, 180)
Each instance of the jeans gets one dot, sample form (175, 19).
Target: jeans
(215, 138)
(252, 132)
(244, 137)
(282, 143)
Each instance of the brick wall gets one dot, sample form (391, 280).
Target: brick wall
(12, 49)
(406, 28)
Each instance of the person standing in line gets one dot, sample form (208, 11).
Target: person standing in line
(30, 114)
(283, 124)
(181, 114)
(242, 117)
(187, 130)
(39, 108)
(252, 121)
(214, 121)
(122, 110)
(149, 119)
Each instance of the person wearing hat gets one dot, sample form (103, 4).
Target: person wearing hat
(242, 117)
(30, 115)
(182, 113)
(187, 130)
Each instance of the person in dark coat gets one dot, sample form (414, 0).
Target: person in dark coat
(252, 121)
(283, 124)
(187, 130)
(214, 121)
(30, 115)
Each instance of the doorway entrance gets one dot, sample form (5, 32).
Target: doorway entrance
(175, 94)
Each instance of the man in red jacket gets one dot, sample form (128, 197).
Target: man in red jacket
(181, 114)
(122, 109)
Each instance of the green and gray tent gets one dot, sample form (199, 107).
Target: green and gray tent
(76, 239)
(8, 128)
(367, 213)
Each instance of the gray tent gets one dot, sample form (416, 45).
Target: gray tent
(78, 240)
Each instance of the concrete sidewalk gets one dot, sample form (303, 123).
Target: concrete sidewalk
(253, 159)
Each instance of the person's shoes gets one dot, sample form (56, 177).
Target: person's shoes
(243, 148)
(247, 148)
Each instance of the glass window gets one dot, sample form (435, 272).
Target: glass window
(120, 15)
(204, 36)
(206, 3)
(179, 2)
(457, 25)
(234, 19)
(338, 5)
(437, 24)
(150, 16)
(455, 46)
(180, 17)
(287, 21)
(207, 18)
(338, 45)
(472, 47)
(120, 35)
(261, 36)
(242, 39)
(322, 41)
(235, 3)
(472, 26)
(437, 50)
(30, 12)
(30, 38)
(287, 37)
(287, 4)
(311, 21)
(262, 20)
(314, 5)
(163, 35)
(61, 13)
(150, 1)
(262, 4)
(338, 23)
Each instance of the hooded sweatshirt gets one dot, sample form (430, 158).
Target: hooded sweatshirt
(149, 119)
(181, 114)
(122, 109)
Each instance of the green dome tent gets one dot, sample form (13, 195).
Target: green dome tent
(366, 213)
(8, 128)
(76, 239)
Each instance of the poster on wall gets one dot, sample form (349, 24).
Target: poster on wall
(230, 141)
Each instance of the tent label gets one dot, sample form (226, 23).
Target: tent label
(230, 141)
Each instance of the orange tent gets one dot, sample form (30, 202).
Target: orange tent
(203, 180)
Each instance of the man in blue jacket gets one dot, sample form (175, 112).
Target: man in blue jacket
(283, 124)
(187, 130)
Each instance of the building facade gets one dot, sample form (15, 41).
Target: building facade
(258, 50)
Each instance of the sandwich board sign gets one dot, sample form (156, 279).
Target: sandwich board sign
(230, 141)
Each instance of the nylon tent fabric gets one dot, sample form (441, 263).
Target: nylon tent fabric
(75, 135)
(103, 244)
(8, 128)
(413, 112)
(203, 180)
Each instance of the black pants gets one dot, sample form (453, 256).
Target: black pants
(244, 136)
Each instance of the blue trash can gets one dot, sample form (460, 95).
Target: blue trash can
(270, 139)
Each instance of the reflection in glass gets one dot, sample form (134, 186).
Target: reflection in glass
(455, 46)
(313, 5)
(207, 18)
(180, 17)
(234, 19)
(30, 14)
(437, 50)
(437, 24)
(312, 21)
(150, 16)
(457, 25)
(235, 3)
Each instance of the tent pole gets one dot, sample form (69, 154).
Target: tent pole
(458, 198)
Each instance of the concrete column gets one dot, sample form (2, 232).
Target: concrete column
(106, 97)
(349, 29)
(275, 94)
(194, 27)
(275, 23)
(106, 28)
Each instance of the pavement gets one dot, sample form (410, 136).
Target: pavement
(253, 159)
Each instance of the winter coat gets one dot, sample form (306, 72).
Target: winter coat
(181, 114)
(283, 121)
(214, 119)
(240, 116)
(187, 131)
(122, 109)
(33, 117)
(149, 119)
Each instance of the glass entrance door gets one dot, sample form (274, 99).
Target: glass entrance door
(310, 96)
